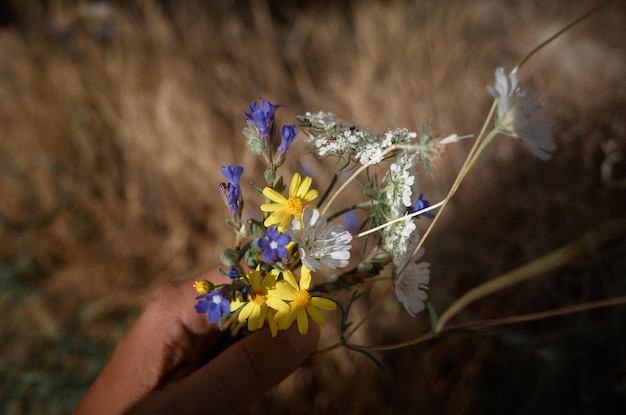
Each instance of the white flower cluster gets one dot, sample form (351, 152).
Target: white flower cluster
(321, 245)
(398, 186)
(331, 136)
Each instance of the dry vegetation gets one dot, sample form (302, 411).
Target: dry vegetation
(113, 128)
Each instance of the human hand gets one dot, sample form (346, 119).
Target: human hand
(172, 360)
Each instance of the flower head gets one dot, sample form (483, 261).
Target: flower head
(320, 243)
(284, 209)
(233, 191)
(263, 116)
(233, 273)
(397, 237)
(519, 116)
(261, 297)
(233, 173)
(421, 204)
(288, 133)
(202, 286)
(301, 303)
(274, 246)
(213, 304)
(412, 284)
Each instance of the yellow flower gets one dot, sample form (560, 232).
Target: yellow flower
(300, 195)
(260, 302)
(202, 286)
(301, 302)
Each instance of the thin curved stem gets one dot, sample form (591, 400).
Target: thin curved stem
(522, 318)
(560, 32)
(541, 315)
(369, 313)
(588, 242)
(469, 161)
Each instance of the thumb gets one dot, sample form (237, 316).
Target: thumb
(237, 377)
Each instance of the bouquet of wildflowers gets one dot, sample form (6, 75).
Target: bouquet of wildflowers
(273, 272)
(272, 268)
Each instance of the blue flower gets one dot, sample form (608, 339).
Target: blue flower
(213, 304)
(262, 116)
(233, 174)
(419, 205)
(274, 245)
(244, 289)
(288, 133)
(233, 274)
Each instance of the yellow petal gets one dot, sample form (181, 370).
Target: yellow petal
(283, 291)
(304, 187)
(323, 303)
(276, 217)
(284, 320)
(303, 322)
(295, 184)
(272, 322)
(305, 278)
(311, 195)
(245, 312)
(261, 319)
(235, 305)
(271, 207)
(290, 278)
(273, 195)
(316, 315)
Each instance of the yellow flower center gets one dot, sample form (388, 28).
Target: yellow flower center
(202, 286)
(258, 298)
(294, 206)
(302, 298)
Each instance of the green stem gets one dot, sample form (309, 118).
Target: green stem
(328, 189)
(588, 242)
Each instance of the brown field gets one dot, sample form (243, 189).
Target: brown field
(113, 128)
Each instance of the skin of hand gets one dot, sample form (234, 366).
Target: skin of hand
(172, 360)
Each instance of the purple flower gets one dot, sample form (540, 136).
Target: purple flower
(233, 274)
(419, 205)
(274, 245)
(233, 191)
(288, 133)
(244, 289)
(262, 116)
(213, 304)
(233, 173)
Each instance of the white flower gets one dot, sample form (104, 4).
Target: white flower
(412, 284)
(396, 237)
(320, 243)
(520, 116)
(399, 186)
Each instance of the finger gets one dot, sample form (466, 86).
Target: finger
(240, 375)
(161, 345)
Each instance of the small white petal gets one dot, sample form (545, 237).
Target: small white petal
(320, 243)
(520, 116)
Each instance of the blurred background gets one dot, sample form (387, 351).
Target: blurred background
(115, 118)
